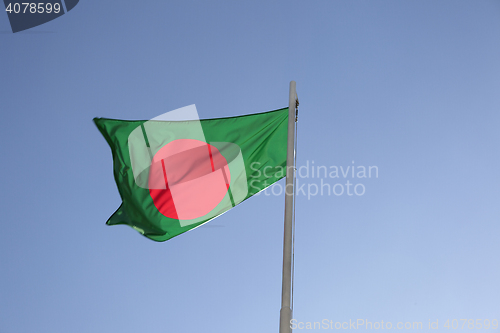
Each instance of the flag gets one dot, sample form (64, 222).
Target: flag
(174, 176)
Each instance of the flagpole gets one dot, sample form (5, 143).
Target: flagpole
(286, 310)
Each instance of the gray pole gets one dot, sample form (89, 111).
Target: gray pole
(286, 311)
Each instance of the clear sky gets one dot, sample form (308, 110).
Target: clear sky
(411, 87)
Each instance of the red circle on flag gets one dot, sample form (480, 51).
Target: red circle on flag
(188, 178)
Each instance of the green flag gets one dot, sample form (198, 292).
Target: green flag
(174, 176)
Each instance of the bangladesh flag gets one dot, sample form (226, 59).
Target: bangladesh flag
(174, 176)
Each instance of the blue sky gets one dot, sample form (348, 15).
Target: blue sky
(410, 87)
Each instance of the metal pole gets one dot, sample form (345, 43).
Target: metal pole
(286, 311)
